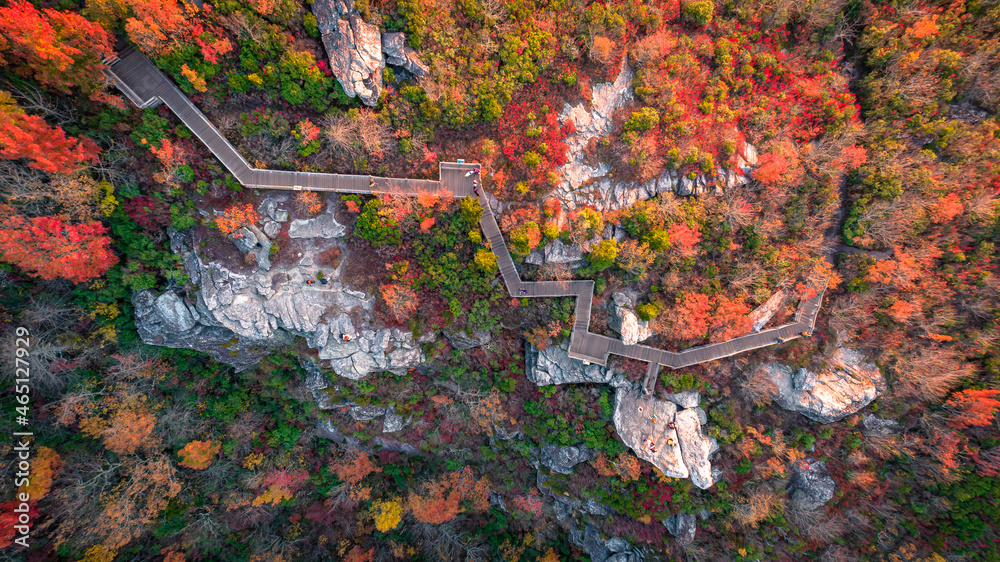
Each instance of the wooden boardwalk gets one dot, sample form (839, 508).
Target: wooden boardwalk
(146, 86)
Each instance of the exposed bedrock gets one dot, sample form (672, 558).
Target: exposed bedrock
(583, 183)
(356, 49)
(810, 486)
(846, 385)
(623, 319)
(247, 312)
(643, 423)
(553, 365)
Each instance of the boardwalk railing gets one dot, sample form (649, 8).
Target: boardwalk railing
(145, 86)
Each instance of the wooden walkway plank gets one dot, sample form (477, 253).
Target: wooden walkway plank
(144, 85)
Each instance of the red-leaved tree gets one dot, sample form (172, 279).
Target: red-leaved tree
(974, 408)
(49, 248)
(59, 49)
(45, 148)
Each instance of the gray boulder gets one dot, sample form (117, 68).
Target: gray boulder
(623, 319)
(272, 228)
(810, 485)
(392, 422)
(590, 541)
(398, 53)
(366, 413)
(633, 419)
(553, 365)
(844, 387)
(354, 47)
(875, 424)
(166, 320)
(695, 448)
(557, 252)
(323, 226)
(316, 383)
(683, 526)
(563, 459)
(461, 339)
(685, 399)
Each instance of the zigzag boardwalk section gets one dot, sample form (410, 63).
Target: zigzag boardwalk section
(145, 86)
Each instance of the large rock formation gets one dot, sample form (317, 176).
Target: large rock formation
(643, 423)
(582, 183)
(323, 226)
(236, 315)
(169, 321)
(760, 316)
(810, 485)
(623, 319)
(398, 53)
(695, 448)
(553, 365)
(354, 47)
(683, 526)
(563, 459)
(846, 385)
(633, 419)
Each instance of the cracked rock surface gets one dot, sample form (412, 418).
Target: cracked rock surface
(643, 423)
(846, 385)
(237, 315)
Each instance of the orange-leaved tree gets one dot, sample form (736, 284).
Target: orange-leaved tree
(974, 408)
(199, 454)
(353, 466)
(237, 217)
(47, 247)
(442, 500)
(730, 319)
(45, 467)
(59, 49)
(45, 148)
(400, 301)
(280, 485)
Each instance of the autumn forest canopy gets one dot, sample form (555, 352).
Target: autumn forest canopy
(222, 372)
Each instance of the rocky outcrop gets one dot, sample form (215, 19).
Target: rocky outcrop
(623, 319)
(846, 385)
(355, 353)
(685, 399)
(634, 417)
(614, 549)
(553, 365)
(683, 526)
(354, 47)
(563, 459)
(761, 315)
(236, 316)
(582, 183)
(169, 321)
(398, 53)
(317, 384)
(323, 226)
(461, 339)
(695, 448)
(682, 451)
(557, 252)
(810, 485)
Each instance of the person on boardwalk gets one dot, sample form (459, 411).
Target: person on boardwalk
(371, 183)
